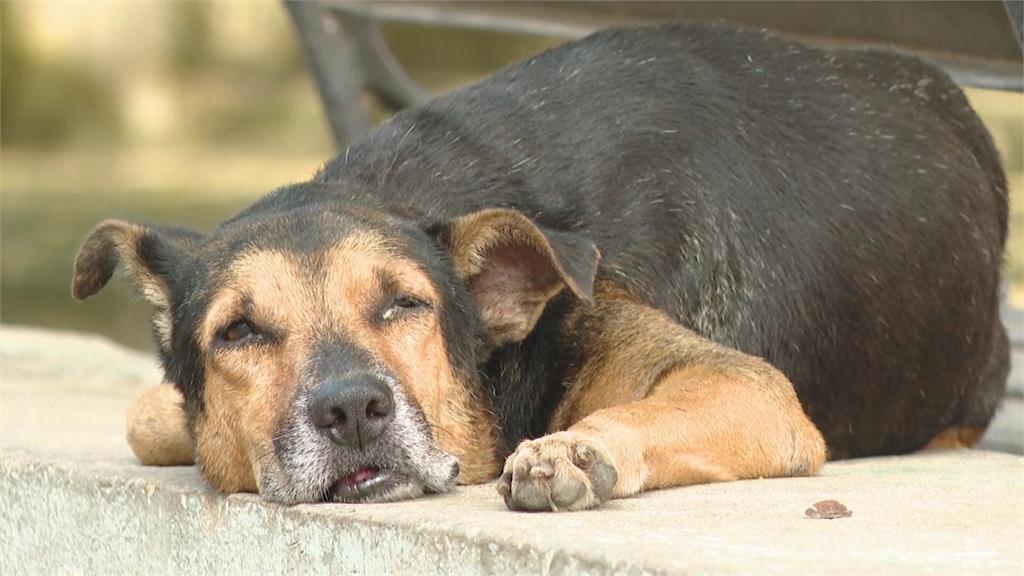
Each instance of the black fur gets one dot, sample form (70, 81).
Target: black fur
(840, 213)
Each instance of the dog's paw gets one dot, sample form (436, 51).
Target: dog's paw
(562, 471)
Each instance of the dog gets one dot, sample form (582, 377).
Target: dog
(652, 257)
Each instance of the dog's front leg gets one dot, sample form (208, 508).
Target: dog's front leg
(157, 429)
(653, 406)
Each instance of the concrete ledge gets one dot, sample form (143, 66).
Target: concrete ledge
(72, 500)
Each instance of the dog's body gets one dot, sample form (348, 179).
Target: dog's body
(840, 214)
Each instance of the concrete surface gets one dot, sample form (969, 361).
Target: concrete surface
(74, 501)
(1006, 434)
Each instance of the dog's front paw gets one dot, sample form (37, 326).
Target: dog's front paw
(563, 471)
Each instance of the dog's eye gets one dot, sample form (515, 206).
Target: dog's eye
(402, 305)
(237, 331)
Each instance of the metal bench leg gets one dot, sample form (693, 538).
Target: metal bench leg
(385, 76)
(337, 67)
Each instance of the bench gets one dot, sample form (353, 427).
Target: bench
(978, 43)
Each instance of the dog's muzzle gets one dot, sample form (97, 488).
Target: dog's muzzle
(355, 439)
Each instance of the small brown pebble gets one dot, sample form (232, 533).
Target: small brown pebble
(828, 510)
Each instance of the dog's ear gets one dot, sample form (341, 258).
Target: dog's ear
(514, 267)
(150, 256)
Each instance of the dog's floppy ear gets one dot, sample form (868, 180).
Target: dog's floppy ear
(149, 255)
(513, 267)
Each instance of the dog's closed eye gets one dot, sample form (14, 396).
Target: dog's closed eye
(403, 305)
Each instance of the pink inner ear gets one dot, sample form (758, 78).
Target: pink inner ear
(513, 288)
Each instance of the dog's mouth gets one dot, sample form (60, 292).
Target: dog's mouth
(374, 484)
(363, 484)
(366, 482)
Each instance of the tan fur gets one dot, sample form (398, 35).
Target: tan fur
(952, 438)
(623, 360)
(670, 408)
(157, 430)
(248, 391)
(459, 425)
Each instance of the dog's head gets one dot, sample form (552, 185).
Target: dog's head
(331, 352)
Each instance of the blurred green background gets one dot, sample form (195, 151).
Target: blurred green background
(183, 112)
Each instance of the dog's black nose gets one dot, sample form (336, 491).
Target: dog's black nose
(354, 410)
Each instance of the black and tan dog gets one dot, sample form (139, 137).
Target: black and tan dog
(653, 257)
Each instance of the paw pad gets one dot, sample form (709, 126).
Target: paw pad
(557, 472)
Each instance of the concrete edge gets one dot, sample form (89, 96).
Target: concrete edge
(159, 527)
